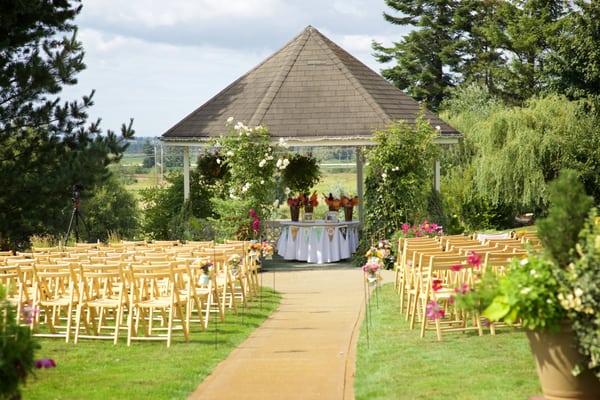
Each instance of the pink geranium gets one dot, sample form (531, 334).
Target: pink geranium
(456, 267)
(436, 284)
(474, 259)
(434, 310)
(370, 268)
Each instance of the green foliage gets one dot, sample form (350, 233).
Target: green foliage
(423, 55)
(111, 209)
(234, 221)
(398, 177)
(569, 207)
(163, 206)
(574, 64)
(501, 45)
(527, 293)
(17, 349)
(301, 174)
(580, 294)
(45, 147)
(149, 156)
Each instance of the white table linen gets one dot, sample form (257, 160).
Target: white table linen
(317, 242)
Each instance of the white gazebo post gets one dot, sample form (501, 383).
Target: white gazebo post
(186, 173)
(359, 184)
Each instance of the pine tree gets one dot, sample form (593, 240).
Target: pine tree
(45, 146)
(426, 57)
(574, 63)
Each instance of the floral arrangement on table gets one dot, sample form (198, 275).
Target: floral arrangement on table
(348, 203)
(423, 229)
(295, 203)
(333, 203)
(554, 295)
(310, 202)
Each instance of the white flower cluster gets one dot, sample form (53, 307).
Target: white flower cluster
(246, 187)
(232, 194)
(573, 301)
(268, 157)
(282, 163)
(229, 121)
(287, 190)
(395, 169)
(230, 153)
(384, 176)
(276, 203)
(283, 143)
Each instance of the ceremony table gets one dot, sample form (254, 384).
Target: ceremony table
(318, 242)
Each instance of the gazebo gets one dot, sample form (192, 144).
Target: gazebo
(310, 93)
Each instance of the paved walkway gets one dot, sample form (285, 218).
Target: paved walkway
(305, 350)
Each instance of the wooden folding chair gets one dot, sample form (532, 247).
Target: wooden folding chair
(54, 292)
(154, 288)
(101, 291)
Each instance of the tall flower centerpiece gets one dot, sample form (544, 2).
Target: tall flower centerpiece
(295, 203)
(348, 203)
(332, 202)
(310, 202)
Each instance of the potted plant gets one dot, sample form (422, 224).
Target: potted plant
(554, 295)
(301, 173)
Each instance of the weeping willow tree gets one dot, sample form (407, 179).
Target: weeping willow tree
(519, 150)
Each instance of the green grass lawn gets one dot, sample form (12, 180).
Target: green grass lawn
(146, 370)
(397, 364)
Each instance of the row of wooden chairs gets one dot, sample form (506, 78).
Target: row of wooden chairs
(93, 291)
(429, 272)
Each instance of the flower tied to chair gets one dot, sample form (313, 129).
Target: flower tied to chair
(234, 263)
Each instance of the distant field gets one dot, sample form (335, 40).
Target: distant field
(332, 180)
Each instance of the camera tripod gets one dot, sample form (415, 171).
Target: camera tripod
(75, 217)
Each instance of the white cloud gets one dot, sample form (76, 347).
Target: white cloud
(170, 13)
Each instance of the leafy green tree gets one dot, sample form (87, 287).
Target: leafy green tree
(426, 57)
(574, 63)
(399, 177)
(148, 150)
(112, 209)
(45, 146)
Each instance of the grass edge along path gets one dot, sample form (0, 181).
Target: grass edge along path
(95, 369)
(398, 364)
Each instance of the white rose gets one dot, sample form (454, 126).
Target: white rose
(438, 128)
(219, 161)
(525, 290)
(262, 181)
(230, 153)
(384, 175)
(262, 163)
(578, 292)
(229, 120)
(287, 190)
(276, 203)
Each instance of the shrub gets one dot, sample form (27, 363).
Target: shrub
(569, 207)
(17, 349)
(111, 209)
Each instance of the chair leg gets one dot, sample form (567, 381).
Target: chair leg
(170, 325)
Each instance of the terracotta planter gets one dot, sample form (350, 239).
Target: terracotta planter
(295, 213)
(555, 356)
(348, 213)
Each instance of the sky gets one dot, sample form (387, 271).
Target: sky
(157, 61)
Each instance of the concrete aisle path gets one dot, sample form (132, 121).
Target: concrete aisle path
(305, 350)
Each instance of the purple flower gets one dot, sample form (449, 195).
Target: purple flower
(45, 363)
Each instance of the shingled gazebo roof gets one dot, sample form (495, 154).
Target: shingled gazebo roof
(309, 91)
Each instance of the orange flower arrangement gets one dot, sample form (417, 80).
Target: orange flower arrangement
(347, 201)
(333, 203)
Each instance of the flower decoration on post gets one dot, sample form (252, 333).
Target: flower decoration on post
(434, 311)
